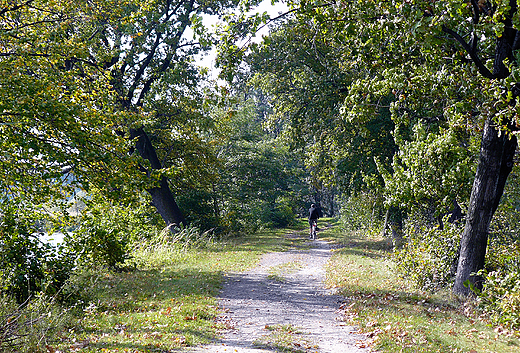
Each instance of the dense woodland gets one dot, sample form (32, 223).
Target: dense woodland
(398, 117)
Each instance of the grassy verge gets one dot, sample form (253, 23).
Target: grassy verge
(168, 301)
(397, 318)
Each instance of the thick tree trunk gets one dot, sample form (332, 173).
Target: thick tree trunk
(495, 164)
(162, 197)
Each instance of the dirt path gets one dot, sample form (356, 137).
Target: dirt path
(285, 290)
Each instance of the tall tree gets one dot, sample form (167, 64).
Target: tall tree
(434, 59)
(94, 80)
(498, 147)
(55, 117)
(303, 73)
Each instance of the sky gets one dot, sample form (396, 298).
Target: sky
(208, 60)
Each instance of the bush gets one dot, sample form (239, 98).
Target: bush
(360, 212)
(106, 231)
(277, 215)
(31, 327)
(428, 255)
(500, 297)
(27, 265)
(198, 208)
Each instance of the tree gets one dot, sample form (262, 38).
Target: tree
(302, 71)
(55, 117)
(430, 59)
(497, 147)
(260, 183)
(127, 83)
(429, 48)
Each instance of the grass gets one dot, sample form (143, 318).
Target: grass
(396, 317)
(168, 301)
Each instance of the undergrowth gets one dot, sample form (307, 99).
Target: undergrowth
(166, 300)
(396, 317)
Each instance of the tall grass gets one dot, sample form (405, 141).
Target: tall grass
(31, 326)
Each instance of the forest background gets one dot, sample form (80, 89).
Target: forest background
(398, 117)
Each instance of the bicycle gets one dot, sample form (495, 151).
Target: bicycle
(314, 226)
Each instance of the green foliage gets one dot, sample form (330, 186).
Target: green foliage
(106, 231)
(260, 182)
(398, 318)
(428, 255)
(362, 212)
(302, 71)
(431, 171)
(29, 266)
(198, 206)
(57, 108)
(278, 215)
(500, 297)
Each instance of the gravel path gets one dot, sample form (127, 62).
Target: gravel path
(284, 289)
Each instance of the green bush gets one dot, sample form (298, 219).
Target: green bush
(27, 265)
(361, 212)
(106, 231)
(277, 215)
(500, 297)
(428, 255)
(198, 207)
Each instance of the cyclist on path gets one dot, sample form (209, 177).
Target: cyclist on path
(314, 214)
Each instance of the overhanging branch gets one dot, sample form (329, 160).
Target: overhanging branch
(472, 51)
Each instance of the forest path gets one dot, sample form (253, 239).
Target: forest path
(282, 304)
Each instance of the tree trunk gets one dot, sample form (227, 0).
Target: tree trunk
(385, 223)
(495, 164)
(162, 197)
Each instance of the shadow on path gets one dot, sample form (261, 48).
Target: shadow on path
(254, 300)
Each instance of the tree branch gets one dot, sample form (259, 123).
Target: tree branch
(15, 7)
(471, 50)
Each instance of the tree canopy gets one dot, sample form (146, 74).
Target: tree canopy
(409, 103)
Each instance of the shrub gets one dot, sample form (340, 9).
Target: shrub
(428, 255)
(106, 231)
(27, 265)
(500, 297)
(31, 327)
(198, 207)
(360, 212)
(277, 215)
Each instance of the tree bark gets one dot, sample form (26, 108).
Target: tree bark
(495, 164)
(162, 197)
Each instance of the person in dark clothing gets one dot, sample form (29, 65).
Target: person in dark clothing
(314, 214)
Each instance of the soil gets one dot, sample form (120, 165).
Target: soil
(285, 290)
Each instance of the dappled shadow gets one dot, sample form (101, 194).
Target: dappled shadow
(383, 244)
(126, 291)
(255, 300)
(145, 310)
